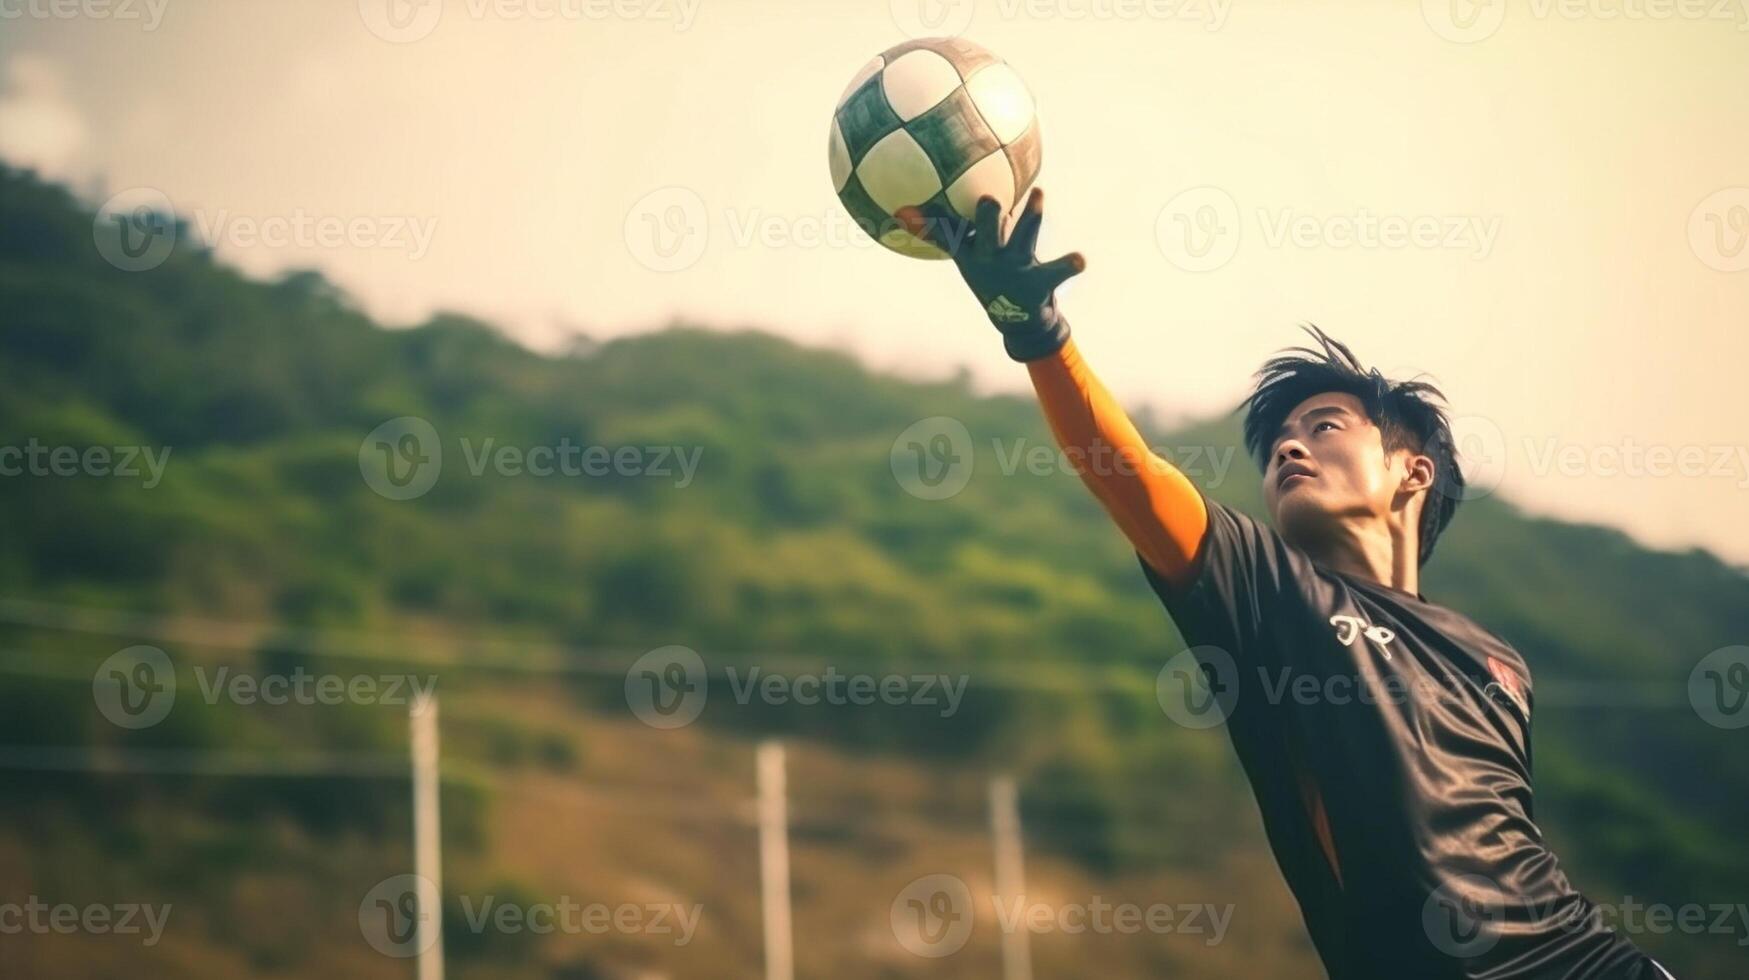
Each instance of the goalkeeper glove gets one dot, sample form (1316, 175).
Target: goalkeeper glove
(1014, 288)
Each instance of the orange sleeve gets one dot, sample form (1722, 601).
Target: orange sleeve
(1155, 505)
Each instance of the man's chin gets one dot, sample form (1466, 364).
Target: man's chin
(1300, 514)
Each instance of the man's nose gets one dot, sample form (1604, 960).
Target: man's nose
(1290, 449)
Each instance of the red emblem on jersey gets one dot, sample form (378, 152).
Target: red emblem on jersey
(1508, 682)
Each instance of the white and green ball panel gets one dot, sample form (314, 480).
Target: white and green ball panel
(881, 226)
(966, 57)
(934, 119)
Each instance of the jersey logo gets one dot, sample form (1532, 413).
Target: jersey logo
(1505, 683)
(1350, 627)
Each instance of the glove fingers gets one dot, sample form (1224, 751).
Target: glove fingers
(1060, 270)
(936, 225)
(987, 237)
(1024, 239)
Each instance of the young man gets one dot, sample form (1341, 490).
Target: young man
(1397, 797)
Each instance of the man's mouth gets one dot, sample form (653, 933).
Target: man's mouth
(1290, 473)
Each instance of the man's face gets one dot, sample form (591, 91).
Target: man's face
(1327, 463)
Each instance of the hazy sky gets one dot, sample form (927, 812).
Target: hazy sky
(1543, 205)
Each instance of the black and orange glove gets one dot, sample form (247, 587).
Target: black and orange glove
(1014, 288)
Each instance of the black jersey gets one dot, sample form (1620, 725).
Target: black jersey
(1387, 741)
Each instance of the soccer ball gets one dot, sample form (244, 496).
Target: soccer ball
(934, 120)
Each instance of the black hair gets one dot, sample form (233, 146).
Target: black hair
(1407, 413)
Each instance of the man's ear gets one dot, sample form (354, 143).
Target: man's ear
(1418, 475)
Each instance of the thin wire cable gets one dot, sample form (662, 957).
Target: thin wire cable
(514, 656)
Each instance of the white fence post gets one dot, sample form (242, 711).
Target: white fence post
(1010, 875)
(774, 861)
(427, 843)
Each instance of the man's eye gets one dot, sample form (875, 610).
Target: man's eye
(1320, 426)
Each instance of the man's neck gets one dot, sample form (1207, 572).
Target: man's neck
(1375, 550)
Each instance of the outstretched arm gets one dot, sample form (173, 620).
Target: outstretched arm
(1155, 505)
